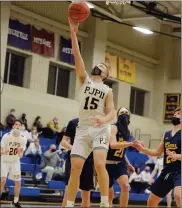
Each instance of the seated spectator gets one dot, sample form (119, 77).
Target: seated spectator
(38, 123)
(24, 120)
(50, 162)
(32, 136)
(10, 119)
(53, 125)
(34, 151)
(60, 136)
(151, 162)
(140, 181)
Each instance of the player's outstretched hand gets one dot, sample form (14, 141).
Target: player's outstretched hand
(98, 121)
(139, 145)
(172, 155)
(73, 25)
(131, 168)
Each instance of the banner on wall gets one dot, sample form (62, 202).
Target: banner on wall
(171, 102)
(66, 53)
(19, 35)
(126, 70)
(42, 42)
(111, 62)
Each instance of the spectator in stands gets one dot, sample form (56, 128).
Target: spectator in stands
(24, 120)
(38, 123)
(50, 162)
(151, 162)
(34, 151)
(60, 136)
(145, 178)
(25, 132)
(32, 136)
(138, 181)
(53, 125)
(10, 119)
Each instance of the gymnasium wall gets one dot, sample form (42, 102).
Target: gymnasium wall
(34, 99)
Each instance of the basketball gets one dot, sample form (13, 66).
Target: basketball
(78, 11)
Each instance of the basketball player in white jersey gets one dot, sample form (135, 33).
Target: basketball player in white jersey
(13, 144)
(159, 167)
(96, 110)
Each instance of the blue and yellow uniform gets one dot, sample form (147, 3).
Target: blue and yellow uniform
(171, 173)
(87, 174)
(116, 163)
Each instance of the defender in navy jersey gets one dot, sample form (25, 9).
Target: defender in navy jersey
(117, 164)
(87, 175)
(170, 178)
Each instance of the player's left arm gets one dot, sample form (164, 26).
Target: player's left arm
(173, 155)
(110, 110)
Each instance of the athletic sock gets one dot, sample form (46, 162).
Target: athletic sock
(70, 203)
(16, 199)
(104, 199)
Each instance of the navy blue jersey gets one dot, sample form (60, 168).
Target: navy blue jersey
(119, 154)
(173, 143)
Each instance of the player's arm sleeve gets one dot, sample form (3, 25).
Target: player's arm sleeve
(110, 110)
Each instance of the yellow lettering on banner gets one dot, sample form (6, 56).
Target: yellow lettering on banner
(111, 62)
(126, 70)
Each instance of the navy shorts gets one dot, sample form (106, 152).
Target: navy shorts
(165, 183)
(115, 171)
(86, 177)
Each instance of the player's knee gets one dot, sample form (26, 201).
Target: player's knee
(125, 187)
(177, 196)
(76, 167)
(99, 165)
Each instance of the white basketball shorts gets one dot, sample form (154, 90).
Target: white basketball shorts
(11, 168)
(89, 138)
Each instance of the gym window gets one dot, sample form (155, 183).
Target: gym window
(58, 81)
(14, 69)
(137, 101)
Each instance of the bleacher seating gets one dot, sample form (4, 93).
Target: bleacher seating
(56, 185)
(11, 183)
(26, 191)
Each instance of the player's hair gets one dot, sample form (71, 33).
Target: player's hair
(106, 67)
(177, 109)
(17, 121)
(121, 108)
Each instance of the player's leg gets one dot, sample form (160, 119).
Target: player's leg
(177, 195)
(79, 153)
(65, 197)
(5, 167)
(85, 198)
(125, 187)
(111, 196)
(100, 148)
(153, 200)
(87, 181)
(169, 199)
(159, 189)
(100, 155)
(15, 174)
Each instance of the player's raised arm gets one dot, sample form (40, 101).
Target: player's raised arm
(151, 152)
(79, 64)
(110, 110)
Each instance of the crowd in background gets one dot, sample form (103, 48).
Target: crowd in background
(52, 161)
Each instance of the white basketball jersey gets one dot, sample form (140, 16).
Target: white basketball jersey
(11, 143)
(91, 98)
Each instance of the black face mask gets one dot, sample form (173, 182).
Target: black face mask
(124, 119)
(175, 121)
(53, 150)
(147, 170)
(96, 71)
